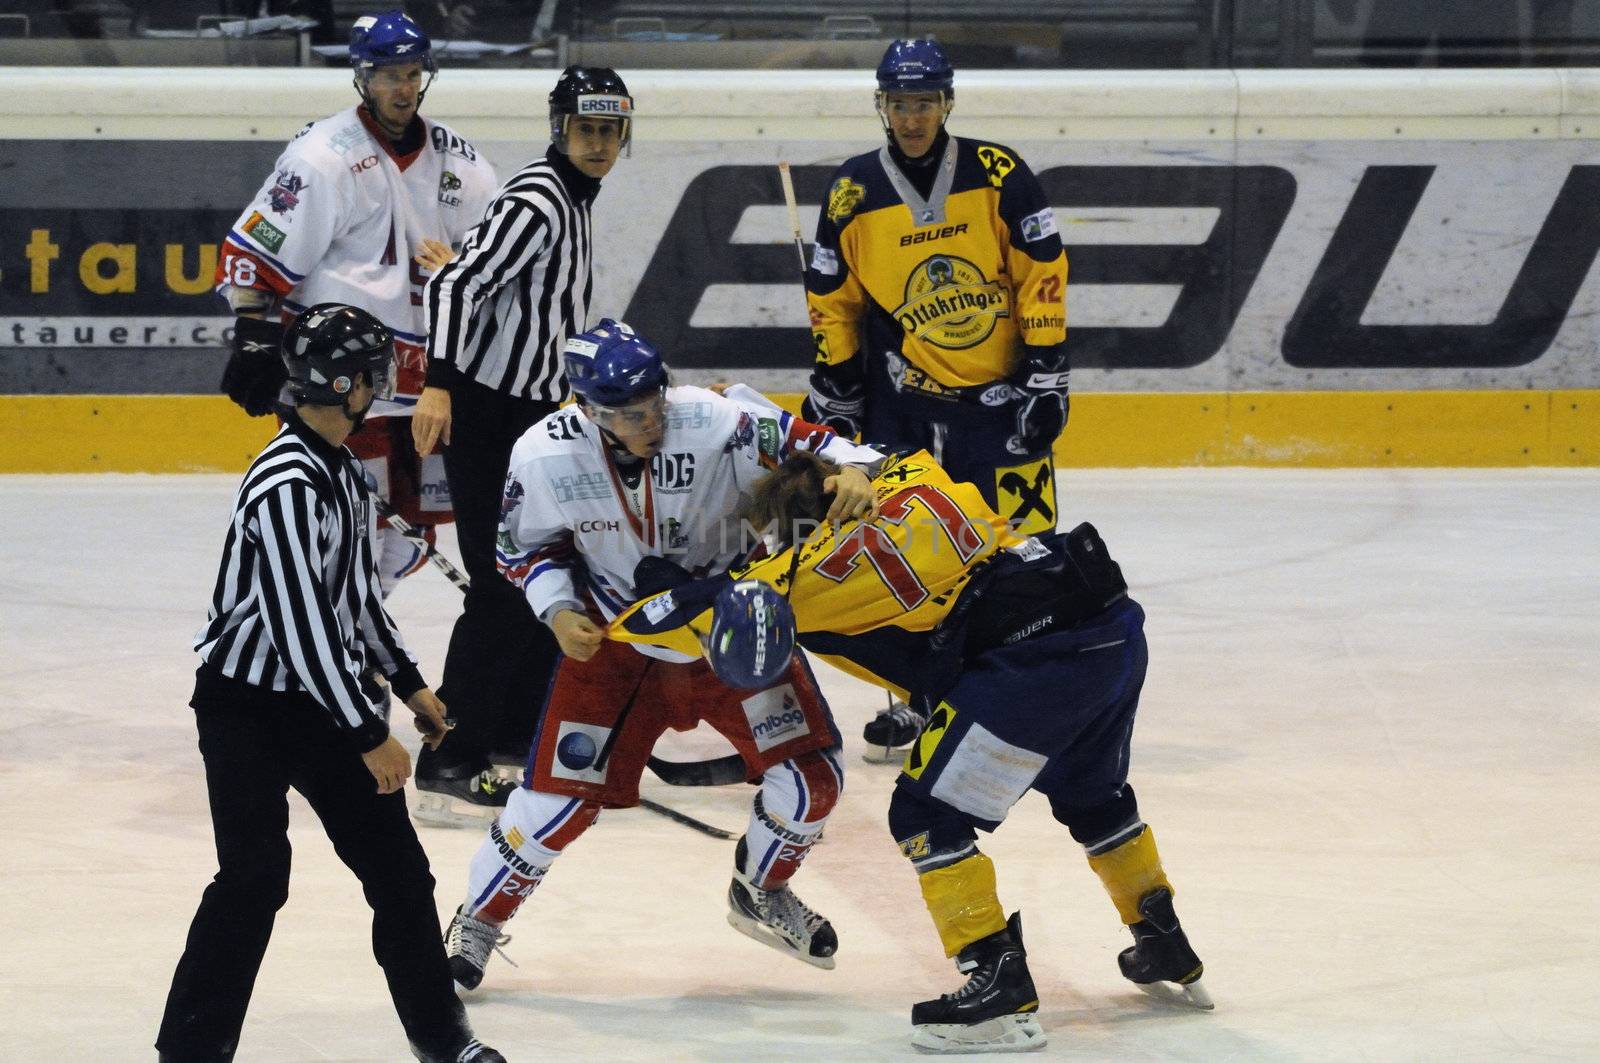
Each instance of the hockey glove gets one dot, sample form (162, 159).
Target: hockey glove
(834, 405)
(255, 372)
(1039, 388)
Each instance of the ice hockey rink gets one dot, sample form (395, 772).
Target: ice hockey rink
(1368, 746)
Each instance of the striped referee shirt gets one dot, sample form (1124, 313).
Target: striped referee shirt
(296, 606)
(501, 310)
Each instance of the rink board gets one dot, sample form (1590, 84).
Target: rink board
(198, 433)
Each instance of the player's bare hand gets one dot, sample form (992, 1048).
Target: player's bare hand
(579, 637)
(719, 388)
(431, 721)
(852, 495)
(430, 422)
(433, 256)
(389, 764)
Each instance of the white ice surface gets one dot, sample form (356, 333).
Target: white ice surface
(1368, 745)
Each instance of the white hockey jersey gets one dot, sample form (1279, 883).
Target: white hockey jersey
(341, 217)
(571, 530)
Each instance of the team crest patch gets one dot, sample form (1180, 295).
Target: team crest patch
(285, 192)
(744, 434)
(511, 497)
(263, 231)
(996, 164)
(843, 199)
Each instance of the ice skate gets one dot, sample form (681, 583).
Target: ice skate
(890, 732)
(458, 796)
(1160, 953)
(780, 920)
(468, 942)
(994, 1011)
(474, 1051)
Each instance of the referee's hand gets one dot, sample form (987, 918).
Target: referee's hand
(430, 717)
(389, 764)
(430, 421)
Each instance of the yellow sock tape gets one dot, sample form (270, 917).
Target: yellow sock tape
(963, 902)
(1129, 872)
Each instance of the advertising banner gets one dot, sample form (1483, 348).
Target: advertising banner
(1279, 265)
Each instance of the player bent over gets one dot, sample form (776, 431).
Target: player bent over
(973, 621)
(636, 480)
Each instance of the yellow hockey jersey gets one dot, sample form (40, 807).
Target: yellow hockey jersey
(902, 571)
(952, 282)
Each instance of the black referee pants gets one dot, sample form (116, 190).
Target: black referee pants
(258, 743)
(501, 657)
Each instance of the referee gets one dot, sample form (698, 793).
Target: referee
(498, 316)
(280, 701)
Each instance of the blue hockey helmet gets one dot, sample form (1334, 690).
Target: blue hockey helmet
(916, 66)
(389, 39)
(611, 365)
(752, 635)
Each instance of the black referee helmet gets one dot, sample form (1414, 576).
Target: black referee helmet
(328, 346)
(589, 92)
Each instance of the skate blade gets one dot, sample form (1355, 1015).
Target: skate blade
(885, 754)
(1008, 1033)
(773, 940)
(441, 810)
(1194, 994)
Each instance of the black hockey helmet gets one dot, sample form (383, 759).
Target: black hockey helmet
(328, 346)
(593, 92)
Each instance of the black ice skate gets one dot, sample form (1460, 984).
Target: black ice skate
(474, 1051)
(468, 942)
(779, 919)
(994, 1011)
(465, 794)
(889, 733)
(1161, 953)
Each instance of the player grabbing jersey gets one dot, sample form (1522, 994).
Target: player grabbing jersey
(358, 207)
(938, 309)
(939, 601)
(639, 479)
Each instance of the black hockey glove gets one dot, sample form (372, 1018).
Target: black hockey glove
(834, 404)
(1039, 389)
(255, 372)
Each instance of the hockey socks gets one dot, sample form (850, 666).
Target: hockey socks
(963, 902)
(1129, 867)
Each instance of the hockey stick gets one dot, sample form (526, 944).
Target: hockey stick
(462, 582)
(429, 550)
(794, 215)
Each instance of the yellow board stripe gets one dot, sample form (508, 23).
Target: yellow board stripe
(1328, 429)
